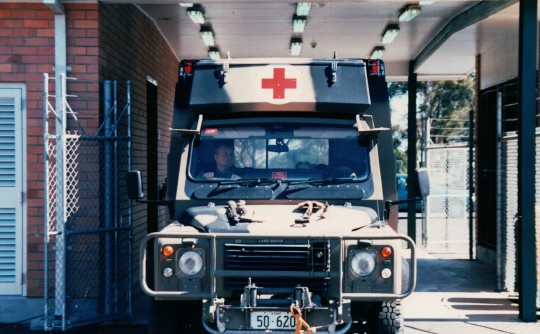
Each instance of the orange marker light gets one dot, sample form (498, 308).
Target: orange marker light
(167, 250)
(386, 251)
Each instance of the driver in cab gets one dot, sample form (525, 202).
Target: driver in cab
(224, 159)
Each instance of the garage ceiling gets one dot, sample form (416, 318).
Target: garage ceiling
(442, 39)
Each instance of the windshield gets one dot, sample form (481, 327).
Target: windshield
(280, 151)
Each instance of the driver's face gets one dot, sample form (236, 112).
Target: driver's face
(224, 156)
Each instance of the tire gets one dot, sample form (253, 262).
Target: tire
(174, 317)
(387, 318)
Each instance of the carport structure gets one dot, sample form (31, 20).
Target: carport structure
(139, 40)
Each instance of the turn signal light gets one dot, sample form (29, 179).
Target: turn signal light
(386, 251)
(167, 251)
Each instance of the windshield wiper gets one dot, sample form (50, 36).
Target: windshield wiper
(327, 180)
(251, 181)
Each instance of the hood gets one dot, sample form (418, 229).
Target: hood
(308, 218)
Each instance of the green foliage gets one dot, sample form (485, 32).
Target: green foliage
(443, 105)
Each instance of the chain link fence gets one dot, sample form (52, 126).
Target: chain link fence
(88, 240)
(447, 209)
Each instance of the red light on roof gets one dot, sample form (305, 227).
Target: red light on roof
(186, 68)
(375, 67)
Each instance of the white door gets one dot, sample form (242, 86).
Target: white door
(11, 189)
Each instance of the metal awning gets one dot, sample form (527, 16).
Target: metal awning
(445, 31)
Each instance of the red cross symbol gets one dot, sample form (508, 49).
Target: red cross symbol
(278, 83)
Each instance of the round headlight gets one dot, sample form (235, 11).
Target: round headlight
(190, 263)
(363, 263)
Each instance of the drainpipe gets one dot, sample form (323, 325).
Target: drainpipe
(60, 68)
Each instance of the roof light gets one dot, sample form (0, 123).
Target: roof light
(377, 52)
(302, 8)
(376, 67)
(391, 31)
(409, 12)
(299, 24)
(186, 4)
(296, 46)
(186, 68)
(426, 2)
(207, 36)
(214, 54)
(196, 15)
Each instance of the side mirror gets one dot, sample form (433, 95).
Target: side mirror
(421, 182)
(134, 185)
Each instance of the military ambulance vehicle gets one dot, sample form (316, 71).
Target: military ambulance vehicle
(278, 175)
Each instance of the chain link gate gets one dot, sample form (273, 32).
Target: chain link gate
(447, 224)
(88, 216)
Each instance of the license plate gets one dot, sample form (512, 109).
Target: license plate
(272, 320)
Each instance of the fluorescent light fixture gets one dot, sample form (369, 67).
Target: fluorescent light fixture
(299, 24)
(377, 52)
(296, 46)
(391, 31)
(186, 4)
(214, 54)
(302, 8)
(207, 36)
(196, 15)
(409, 12)
(426, 2)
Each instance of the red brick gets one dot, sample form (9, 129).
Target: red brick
(76, 50)
(11, 77)
(6, 14)
(77, 14)
(9, 24)
(35, 41)
(38, 24)
(38, 59)
(83, 24)
(85, 42)
(45, 33)
(6, 67)
(24, 50)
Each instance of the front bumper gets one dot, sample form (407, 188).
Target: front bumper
(318, 279)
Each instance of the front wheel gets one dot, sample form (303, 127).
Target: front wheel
(387, 318)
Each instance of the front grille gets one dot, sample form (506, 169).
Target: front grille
(283, 257)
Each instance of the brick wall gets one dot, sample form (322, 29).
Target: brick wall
(131, 48)
(115, 42)
(26, 52)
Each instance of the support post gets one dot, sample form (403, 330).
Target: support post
(527, 72)
(411, 153)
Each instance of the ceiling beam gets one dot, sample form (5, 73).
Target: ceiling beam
(470, 16)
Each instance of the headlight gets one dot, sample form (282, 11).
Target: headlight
(190, 263)
(363, 263)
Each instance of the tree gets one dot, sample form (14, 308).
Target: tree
(445, 105)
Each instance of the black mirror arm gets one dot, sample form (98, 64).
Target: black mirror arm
(388, 205)
(153, 202)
